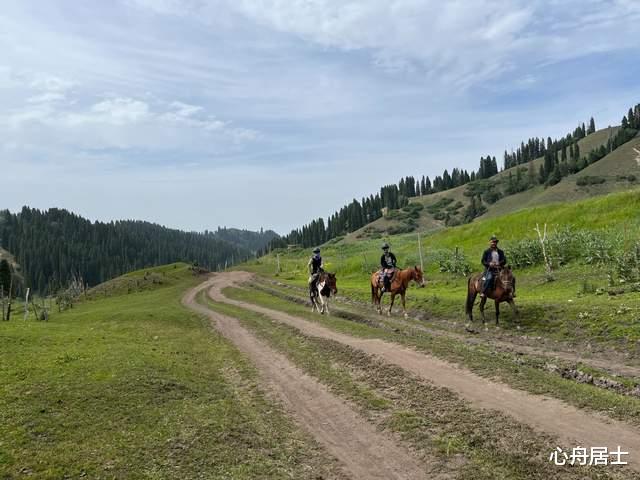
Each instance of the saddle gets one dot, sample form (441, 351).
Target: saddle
(387, 272)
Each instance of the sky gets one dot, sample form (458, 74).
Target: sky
(269, 113)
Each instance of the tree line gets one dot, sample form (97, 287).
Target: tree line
(53, 246)
(561, 157)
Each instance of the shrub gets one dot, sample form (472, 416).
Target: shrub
(589, 180)
(452, 262)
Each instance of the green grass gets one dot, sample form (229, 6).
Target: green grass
(558, 309)
(136, 386)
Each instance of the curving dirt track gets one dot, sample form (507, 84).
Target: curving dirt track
(569, 424)
(364, 452)
(613, 362)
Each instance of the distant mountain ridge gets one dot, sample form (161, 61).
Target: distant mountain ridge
(52, 246)
(247, 239)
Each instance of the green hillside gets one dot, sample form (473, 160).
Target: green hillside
(614, 170)
(591, 243)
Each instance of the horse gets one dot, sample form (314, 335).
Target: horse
(319, 294)
(502, 291)
(399, 284)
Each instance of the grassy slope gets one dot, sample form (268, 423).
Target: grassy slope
(133, 385)
(556, 309)
(618, 162)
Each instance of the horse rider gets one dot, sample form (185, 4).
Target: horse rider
(316, 267)
(388, 267)
(493, 260)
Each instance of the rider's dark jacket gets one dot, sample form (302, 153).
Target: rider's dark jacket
(486, 257)
(316, 263)
(388, 264)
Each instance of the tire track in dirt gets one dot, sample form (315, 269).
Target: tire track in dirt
(364, 452)
(610, 365)
(569, 424)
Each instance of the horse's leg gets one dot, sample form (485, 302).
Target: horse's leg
(393, 297)
(404, 306)
(497, 311)
(516, 312)
(313, 302)
(322, 306)
(379, 299)
(471, 300)
(326, 306)
(482, 304)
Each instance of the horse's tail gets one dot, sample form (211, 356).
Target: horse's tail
(471, 296)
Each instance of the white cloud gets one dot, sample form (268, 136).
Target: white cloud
(286, 91)
(456, 43)
(119, 111)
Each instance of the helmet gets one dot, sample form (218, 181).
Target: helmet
(316, 250)
(385, 246)
(494, 239)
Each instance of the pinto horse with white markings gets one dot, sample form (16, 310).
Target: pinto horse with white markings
(399, 285)
(321, 292)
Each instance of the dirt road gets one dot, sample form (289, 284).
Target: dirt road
(612, 362)
(364, 452)
(569, 424)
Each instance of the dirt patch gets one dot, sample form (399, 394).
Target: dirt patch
(363, 451)
(571, 425)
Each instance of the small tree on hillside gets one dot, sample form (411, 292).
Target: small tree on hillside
(5, 275)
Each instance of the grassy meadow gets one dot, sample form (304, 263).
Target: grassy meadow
(130, 384)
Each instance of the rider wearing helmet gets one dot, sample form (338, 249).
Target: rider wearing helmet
(388, 266)
(493, 259)
(315, 266)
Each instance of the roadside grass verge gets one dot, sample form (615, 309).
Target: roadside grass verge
(481, 359)
(136, 386)
(436, 423)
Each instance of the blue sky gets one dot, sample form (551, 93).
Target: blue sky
(268, 113)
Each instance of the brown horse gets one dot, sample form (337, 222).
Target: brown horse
(319, 295)
(399, 284)
(502, 291)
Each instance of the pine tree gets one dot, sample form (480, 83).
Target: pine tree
(5, 275)
(592, 126)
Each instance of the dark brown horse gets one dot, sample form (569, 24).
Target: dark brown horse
(319, 295)
(399, 284)
(502, 291)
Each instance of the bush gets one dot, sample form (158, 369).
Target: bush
(443, 202)
(566, 245)
(628, 264)
(589, 180)
(452, 262)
